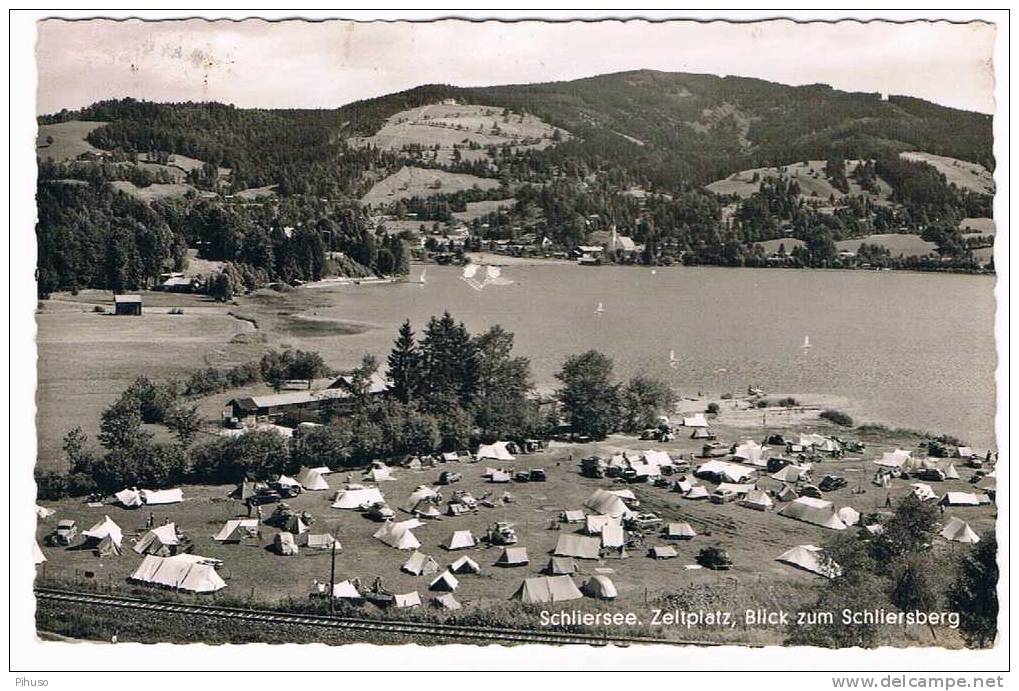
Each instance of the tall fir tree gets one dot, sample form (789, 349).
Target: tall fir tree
(404, 365)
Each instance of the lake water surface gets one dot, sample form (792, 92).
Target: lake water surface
(909, 349)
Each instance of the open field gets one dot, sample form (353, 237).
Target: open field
(752, 538)
(154, 191)
(771, 246)
(977, 226)
(906, 244)
(422, 182)
(68, 140)
(810, 177)
(969, 176)
(478, 209)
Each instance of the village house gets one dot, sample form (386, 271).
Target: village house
(300, 406)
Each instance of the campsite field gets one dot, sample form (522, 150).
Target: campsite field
(752, 538)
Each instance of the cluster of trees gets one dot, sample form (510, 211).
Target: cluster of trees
(897, 570)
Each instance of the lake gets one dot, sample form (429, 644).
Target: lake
(908, 349)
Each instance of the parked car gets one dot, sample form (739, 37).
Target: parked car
(264, 494)
(285, 491)
(538, 475)
(64, 533)
(723, 496)
(830, 483)
(592, 466)
(714, 558)
(522, 476)
(930, 475)
(380, 512)
(809, 491)
(644, 520)
(448, 477)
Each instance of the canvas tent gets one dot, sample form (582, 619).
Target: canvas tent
(426, 509)
(572, 516)
(815, 511)
(599, 587)
(697, 492)
(420, 564)
(237, 530)
(445, 581)
(465, 565)
(702, 433)
(547, 589)
(128, 498)
(578, 546)
(185, 572)
(312, 480)
(924, 492)
(819, 443)
(897, 459)
(397, 536)
(163, 496)
(459, 539)
(722, 471)
(787, 493)
(738, 489)
(790, 473)
(593, 525)
(105, 531)
(607, 504)
(848, 515)
(345, 590)
(37, 556)
(284, 544)
(697, 420)
(498, 451)
(378, 474)
(958, 530)
(159, 541)
(663, 552)
(420, 493)
(42, 512)
(679, 531)
(613, 536)
(446, 601)
(411, 599)
(317, 541)
(752, 453)
(961, 499)
(499, 477)
(757, 499)
(287, 481)
(513, 556)
(559, 566)
(810, 558)
(356, 496)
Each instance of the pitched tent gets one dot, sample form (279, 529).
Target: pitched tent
(42, 512)
(345, 590)
(960, 499)
(959, 531)
(397, 536)
(104, 529)
(237, 530)
(547, 589)
(158, 541)
(682, 486)
(819, 443)
(578, 546)
(572, 516)
(380, 474)
(607, 504)
(499, 477)
(790, 473)
(724, 472)
(163, 496)
(680, 531)
(924, 492)
(599, 587)
(787, 493)
(810, 558)
(128, 498)
(465, 565)
(284, 544)
(702, 433)
(753, 453)
(451, 457)
(185, 572)
(318, 541)
(848, 515)
(37, 556)
(460, 539)
(757, 499)
(411, 599)
(663, 552)
(312, 480)
(559, 566)
(697, 420)
(658, 458)
(426, 509)
(815, 511)
(950, 472)
(498, 451)
(697, 492)
(421, 493)
(894, 459)
(612, 536)
(513, 556)
(294, 524)
(420, 564)
(445, 581)
(287, 481)
(355, 496)
(446, 601)
(593, 525)
(736, 488)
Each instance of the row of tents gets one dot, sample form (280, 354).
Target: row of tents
(133, 498)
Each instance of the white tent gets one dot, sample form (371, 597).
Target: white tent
(663, 552)
(318, 541)
(37, 556)
(311, 479)
(499, 477)
(547, 589)
(445, 581)
(612, 536)
(740, 489)
(680, 531)
(607, 503)
(579, 546)
(446, 601)
(595, 524)
(158, 540)
(697, 492)
(420, 564)
(397, 536)
(465, 565)
(658, 458)
(697, 420)
(819, 443)
(724, 471)
(285, 544)
(497, 451)
(128, 498)
(356, 496)
(407, 600)
(558, 566)
(815, 511)
(894, 459)
(810, 558)
(572, 516)
(513, 556)
(185, 572)
(790, 473)
(757, 499)
(961, 499)
(345, 590)
(287, 481)
(237, 529)
(600, 587)
(421, 493)
(103, 529)
(753, 453)
(924, 492)
(959, 531)
(163, 496)
(460, 539)
(42, 512)
(848, 515)
(426, 509)
(378, 474)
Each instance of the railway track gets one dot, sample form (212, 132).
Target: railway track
(432, 630)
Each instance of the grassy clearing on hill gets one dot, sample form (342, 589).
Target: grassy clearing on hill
(808, 175)
(422, 182)
(969, 176)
